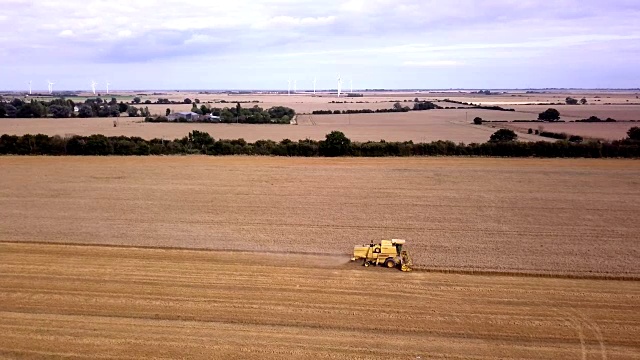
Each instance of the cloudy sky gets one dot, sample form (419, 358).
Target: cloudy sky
(259, 44)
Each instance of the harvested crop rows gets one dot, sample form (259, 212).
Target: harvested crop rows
(572, 217)
(106, 302)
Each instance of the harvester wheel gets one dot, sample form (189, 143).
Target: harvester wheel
(390, 263)
(366, 263)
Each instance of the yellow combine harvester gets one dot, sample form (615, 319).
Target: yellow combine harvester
(388, 253)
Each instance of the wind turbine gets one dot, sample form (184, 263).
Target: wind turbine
(108, 83)
(351, 83)
(93, 86)
(289, 87)
(29, 87)
(50, 86)
(339, 84)
(314, 86)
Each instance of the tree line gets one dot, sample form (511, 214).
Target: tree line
(501, 144)
(66, 108)
(237, 114)
(397, 107)
(97, 107)
(474, 106)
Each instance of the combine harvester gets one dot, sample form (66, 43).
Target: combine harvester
(388, 253)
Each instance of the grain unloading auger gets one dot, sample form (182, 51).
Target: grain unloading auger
(387, 252)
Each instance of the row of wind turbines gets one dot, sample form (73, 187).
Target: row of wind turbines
(50, 84)
(94, 84)
(295, 85)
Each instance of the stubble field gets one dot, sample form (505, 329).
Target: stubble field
(87, 302)
(510, 215)
(89, 266)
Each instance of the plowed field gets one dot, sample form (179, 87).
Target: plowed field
(61, 301)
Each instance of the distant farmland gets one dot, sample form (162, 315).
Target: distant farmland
(420, 126)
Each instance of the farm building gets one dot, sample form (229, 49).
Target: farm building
(187, 115)
(192, 117)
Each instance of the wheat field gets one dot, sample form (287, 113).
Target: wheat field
(248, 257)
(556, 216)
(87, 302)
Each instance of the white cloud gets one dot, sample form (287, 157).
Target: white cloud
(66, 33)
(433, 63)
(289, 36)
(289, 21)
(199, 39)
(124, 33)
(354, 6)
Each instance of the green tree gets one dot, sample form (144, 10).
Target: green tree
(10, 110)
(107, 111)
(503, 135)
(143, 148)
(549, 115)
(136, 100)
(132, 111)
(122, 107)
(277, 112)
(17, 103)
(34, 109)
(576, 139)
(187, 101)
(477, 121)
(200, 139)
(335, 144)
(167, 112)
(583, 101)
(571, 101)
(634, 133)
(124, 147)
(85, 111)
(59, 111)
(98, 145)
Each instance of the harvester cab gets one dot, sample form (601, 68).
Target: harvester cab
(389, 253)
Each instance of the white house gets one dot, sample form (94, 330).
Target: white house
(211, 118)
